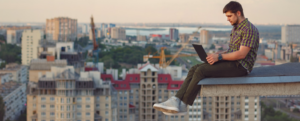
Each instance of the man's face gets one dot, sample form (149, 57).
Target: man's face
(232, 18)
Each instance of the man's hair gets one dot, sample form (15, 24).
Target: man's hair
(233, 7)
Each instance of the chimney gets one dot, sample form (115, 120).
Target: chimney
(50, 58)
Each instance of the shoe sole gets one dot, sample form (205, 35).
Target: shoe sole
(179, 113)
(165, 109)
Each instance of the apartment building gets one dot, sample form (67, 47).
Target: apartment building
(118, 33)
(40, 67)
(63, 51)
(13, 36)
(61, 29)
(173, 34)
(18, 72)
(30, 43)
(184, 37)
(147, 84)
(290, 34)
(63, 95)
(5, 77)
(14, 98)
(205, 37)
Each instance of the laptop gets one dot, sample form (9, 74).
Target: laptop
(200, 51)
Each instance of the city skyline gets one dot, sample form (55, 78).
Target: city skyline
(133, 11)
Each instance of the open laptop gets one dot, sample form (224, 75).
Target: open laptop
(200, 51)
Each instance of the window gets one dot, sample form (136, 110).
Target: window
(61, 100)
(106, 105)
(78, 114)
(246, 116)
(87, 114)
(78, 106)
(246, 97)
(87, 106)
(43, 98)
(246, 110)
(52, 106)
(106, 112)
(246, 104)
(43, 114)
(52, 114)
(79, 99)
(87, 99)
(52, 98)
(43, 106)
(97, 105)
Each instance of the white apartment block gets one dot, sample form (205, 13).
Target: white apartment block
(14, 98)
(290, 33)
(30, 43)
(18, 72)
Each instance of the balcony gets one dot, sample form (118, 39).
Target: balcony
(97, 116)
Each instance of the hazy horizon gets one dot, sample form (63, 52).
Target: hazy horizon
(154, 11)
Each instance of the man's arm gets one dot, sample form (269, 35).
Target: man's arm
(237, 55)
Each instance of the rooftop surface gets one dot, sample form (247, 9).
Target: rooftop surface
(285, 73)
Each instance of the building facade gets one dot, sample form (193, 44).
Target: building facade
(205, 37)
(183, 37)
(118, 33)
(174, 34)
(14, 98)
(30, 43)
(61, 29)
(18, 72)
(13, 36)
(290, 34)
(61, 95)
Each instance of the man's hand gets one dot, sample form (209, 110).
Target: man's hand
(212, 58)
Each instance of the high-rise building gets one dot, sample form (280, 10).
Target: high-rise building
(118, 33)
(290, 33)
(62, 95)
(61, 29)
(98, 34)
(30, 43)
(174, 34)
(183, 37)
(205, 37)
(13, 36)
(141, 38)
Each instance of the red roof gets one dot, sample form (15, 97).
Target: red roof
(164, 78)
(90, 69)
(107, 77)
(121, 85)
(133, 78)
(174, 85)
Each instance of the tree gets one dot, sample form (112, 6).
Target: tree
(212, 46)
(221, 48)
(2, 65)
(2, 110)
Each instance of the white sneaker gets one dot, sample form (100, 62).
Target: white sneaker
(169, 106)
(182, 110)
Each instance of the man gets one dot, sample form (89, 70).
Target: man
(237, 61)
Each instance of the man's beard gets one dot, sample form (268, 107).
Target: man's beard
(236, 22)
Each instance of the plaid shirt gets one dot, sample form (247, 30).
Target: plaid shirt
(245, 34)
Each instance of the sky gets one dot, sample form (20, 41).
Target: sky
(148, 11)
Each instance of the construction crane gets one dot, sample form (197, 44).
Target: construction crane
(163, 63)
(95, 52)
(162, 57)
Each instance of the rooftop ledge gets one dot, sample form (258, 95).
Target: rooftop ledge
(262, 81)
